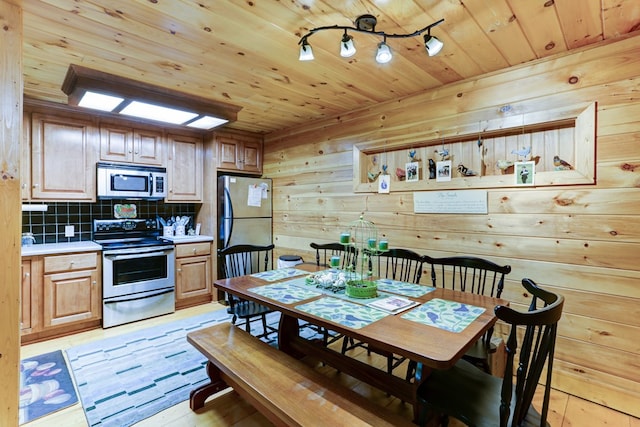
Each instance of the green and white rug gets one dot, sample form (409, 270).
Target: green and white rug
(125, 379)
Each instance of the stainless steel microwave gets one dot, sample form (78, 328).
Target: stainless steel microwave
(119, 181)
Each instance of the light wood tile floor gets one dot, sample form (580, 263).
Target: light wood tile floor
(228, 409)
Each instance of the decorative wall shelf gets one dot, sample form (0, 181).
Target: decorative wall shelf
(571, 136)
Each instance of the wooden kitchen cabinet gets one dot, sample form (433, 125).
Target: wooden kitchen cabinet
(239, 152)
(25, 297)
(193, 274)
(185, 168)
(61, 294)
(64, 152)
(25, 158)
(122, 144)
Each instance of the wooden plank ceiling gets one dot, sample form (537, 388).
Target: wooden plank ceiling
(246, 52)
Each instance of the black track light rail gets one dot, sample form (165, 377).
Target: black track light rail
(382, 34)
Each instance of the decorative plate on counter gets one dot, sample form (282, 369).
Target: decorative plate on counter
(125, 210)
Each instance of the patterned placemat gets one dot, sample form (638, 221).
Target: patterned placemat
(403, 288)
(448, 315)
(342, 312)
(285, 292)
(281, 273)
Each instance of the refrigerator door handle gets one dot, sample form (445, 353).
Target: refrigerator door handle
(229, 219)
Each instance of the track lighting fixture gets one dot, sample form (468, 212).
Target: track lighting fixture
(367, 24)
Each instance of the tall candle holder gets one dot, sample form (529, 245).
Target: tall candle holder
(362, 235)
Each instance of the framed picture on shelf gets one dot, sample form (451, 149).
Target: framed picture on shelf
(443, 171)
(524, 172)
(412, 171)
(384, 181)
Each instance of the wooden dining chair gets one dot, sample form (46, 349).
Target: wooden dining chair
(324, 251)
(475, 275)
(348, 256)
(396, 264)
(241, 260)
(480, 399)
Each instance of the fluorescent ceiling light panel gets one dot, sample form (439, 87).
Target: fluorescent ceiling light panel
(207, 122)
(156, 112)
(99, 101)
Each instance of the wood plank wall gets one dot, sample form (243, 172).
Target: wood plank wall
(10, 215)
(580, 241)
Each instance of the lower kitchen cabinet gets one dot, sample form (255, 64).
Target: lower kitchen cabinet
(61, 294)
(193, 274)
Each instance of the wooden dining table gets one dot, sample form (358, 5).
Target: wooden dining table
(431, 347)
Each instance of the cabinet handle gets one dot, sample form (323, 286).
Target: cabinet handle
(36, 185)
(94, 282)
(194, 250)
(179, 270)
(27, 274)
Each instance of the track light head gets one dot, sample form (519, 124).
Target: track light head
(383, 55)
(347, 48)
(432, 44)
(306, 54)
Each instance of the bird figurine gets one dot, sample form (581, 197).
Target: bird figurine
(444, 154)
(432, 169)
(522, 153)
(412, 155)
(560, 164)
(464, 171)
(503, 165)
(400, 173)
(373, 176)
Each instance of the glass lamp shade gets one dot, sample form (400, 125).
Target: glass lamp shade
(432, 44)
(384, 53)
(347, 47)
(306, 54)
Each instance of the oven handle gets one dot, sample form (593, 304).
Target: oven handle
(137, 255)
(145, 296)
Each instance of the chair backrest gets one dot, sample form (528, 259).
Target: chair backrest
(537, 346)
(398, 264)
(468, 274)
(324, 252)
(240, 260)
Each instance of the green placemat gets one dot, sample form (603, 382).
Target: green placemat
(285, 292)
(281, 273)
(342, 312)
(448, 315)
(403, 288)
(300, 281)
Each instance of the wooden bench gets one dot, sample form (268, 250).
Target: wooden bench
(286, 390)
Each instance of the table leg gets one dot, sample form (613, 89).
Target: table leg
(198, 396)
(288, 331)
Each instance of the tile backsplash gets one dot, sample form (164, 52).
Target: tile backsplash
(49, 226)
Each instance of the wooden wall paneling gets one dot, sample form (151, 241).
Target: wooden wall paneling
(11, 135)
(580, 241)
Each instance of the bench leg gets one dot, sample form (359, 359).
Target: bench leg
(200, 395)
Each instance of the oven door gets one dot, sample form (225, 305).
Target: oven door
(134, 270)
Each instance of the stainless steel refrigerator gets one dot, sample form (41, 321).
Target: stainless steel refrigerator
(244, 209)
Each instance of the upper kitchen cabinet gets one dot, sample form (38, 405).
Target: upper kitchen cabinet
(185, 168)
(63, 158)
(239, 152)
(122, 144)
(25, 158)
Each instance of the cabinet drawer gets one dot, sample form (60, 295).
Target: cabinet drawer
(70, 262)
(193, 249)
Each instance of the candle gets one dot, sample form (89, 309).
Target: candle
(335, 261)
(344, 238)
(372, 243)
(384, 245)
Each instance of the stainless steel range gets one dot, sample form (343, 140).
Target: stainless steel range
(138, 270)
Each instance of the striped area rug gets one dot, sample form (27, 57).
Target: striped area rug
(125, 379)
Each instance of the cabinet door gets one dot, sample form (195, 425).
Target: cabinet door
(25, 158)
(71, 297)
(193, 278)
(185, 167)
(116, 144)
(64, 152)
(252, 157)
(148, 147)
(228, 153)
(25, 296)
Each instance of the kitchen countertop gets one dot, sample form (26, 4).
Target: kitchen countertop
(60, 248)
(187, 239)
